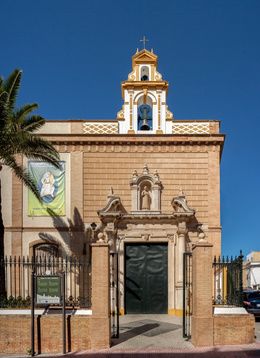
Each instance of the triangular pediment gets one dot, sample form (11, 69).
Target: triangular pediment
(144, 56)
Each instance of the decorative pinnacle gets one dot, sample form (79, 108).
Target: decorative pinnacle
(145, 169)
(111, 193)
(181, 192)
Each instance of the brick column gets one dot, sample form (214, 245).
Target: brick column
(100, 323)
(202, 317)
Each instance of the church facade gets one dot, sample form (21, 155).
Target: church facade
(145, 182)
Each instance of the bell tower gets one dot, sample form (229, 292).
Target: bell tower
(144, 93)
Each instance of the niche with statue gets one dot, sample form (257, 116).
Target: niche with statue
(146, 192)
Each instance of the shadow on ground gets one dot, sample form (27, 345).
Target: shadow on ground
(147, 328)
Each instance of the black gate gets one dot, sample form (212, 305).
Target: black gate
(228, 280)
(146, 278)
(114, 294)
(187, 294)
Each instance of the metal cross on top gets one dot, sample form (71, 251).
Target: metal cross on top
(144, 40)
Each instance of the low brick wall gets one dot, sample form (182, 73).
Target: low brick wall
(83, 332)
(233, 329)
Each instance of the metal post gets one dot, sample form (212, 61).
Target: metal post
(241, 278)
(63, 314)
(184, 298)
(32, 312)
(117, 298)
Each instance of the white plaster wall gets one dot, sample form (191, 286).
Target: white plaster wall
(6, 191)
(8, 243)
(46, 221)
(55, 127)
(125, 125)
(255, 275)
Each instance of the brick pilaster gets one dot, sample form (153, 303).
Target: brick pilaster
(202, 318)
(100, 323)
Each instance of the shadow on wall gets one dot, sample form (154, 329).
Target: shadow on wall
(72, 238)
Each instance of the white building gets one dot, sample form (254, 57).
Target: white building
(252, 270)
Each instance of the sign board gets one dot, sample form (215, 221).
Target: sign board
(48, 290)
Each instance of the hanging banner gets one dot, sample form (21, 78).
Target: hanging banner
(51, 185)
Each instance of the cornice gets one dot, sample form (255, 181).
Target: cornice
(140, 85)
(36, 229)
(134, 139)
(101, 143)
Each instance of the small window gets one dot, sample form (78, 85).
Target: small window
(145, 73)
(45, 250)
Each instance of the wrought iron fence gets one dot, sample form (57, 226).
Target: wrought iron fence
(228, 280)
(17, 272)
(187, 294)
(114, 294)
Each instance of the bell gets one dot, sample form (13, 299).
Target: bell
(144, 126)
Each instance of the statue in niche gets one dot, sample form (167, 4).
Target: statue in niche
(146, 198)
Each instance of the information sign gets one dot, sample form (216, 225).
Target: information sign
(48, 290)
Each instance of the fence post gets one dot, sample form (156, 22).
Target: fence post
(100, 295)
(202, 317)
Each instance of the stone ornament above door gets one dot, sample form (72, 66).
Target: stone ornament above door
(146, 191)
(180, 205)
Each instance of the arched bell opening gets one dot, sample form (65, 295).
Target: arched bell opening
(145, 114)
(144, 73)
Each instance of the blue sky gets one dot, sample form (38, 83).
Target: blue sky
(74, 55)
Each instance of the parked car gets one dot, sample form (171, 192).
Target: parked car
(251, 302)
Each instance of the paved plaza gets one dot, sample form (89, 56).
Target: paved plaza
(150, 332)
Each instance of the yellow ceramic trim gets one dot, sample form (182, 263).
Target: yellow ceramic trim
(175, 312)
(159, 112)
(131, 112)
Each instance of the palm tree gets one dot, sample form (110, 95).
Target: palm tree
(18, 138)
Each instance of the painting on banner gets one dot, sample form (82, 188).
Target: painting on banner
(51, 185)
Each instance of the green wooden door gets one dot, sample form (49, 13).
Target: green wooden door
(146, 278)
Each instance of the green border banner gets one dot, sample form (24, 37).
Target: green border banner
(51, 185)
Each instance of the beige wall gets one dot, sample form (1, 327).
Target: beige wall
(195, 169)
(95, 164)
(188, 171)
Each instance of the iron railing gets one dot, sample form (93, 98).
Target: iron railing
(18, 272)
(114, 294)
(228, 281)
(187, 294)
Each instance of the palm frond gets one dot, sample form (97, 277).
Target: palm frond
(33, 123)
(30, 145)
(11, 86)
(22, 174)
(22, 112)
(17, 133)
(3, 108)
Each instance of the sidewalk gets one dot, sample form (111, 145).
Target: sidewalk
(151, 336)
